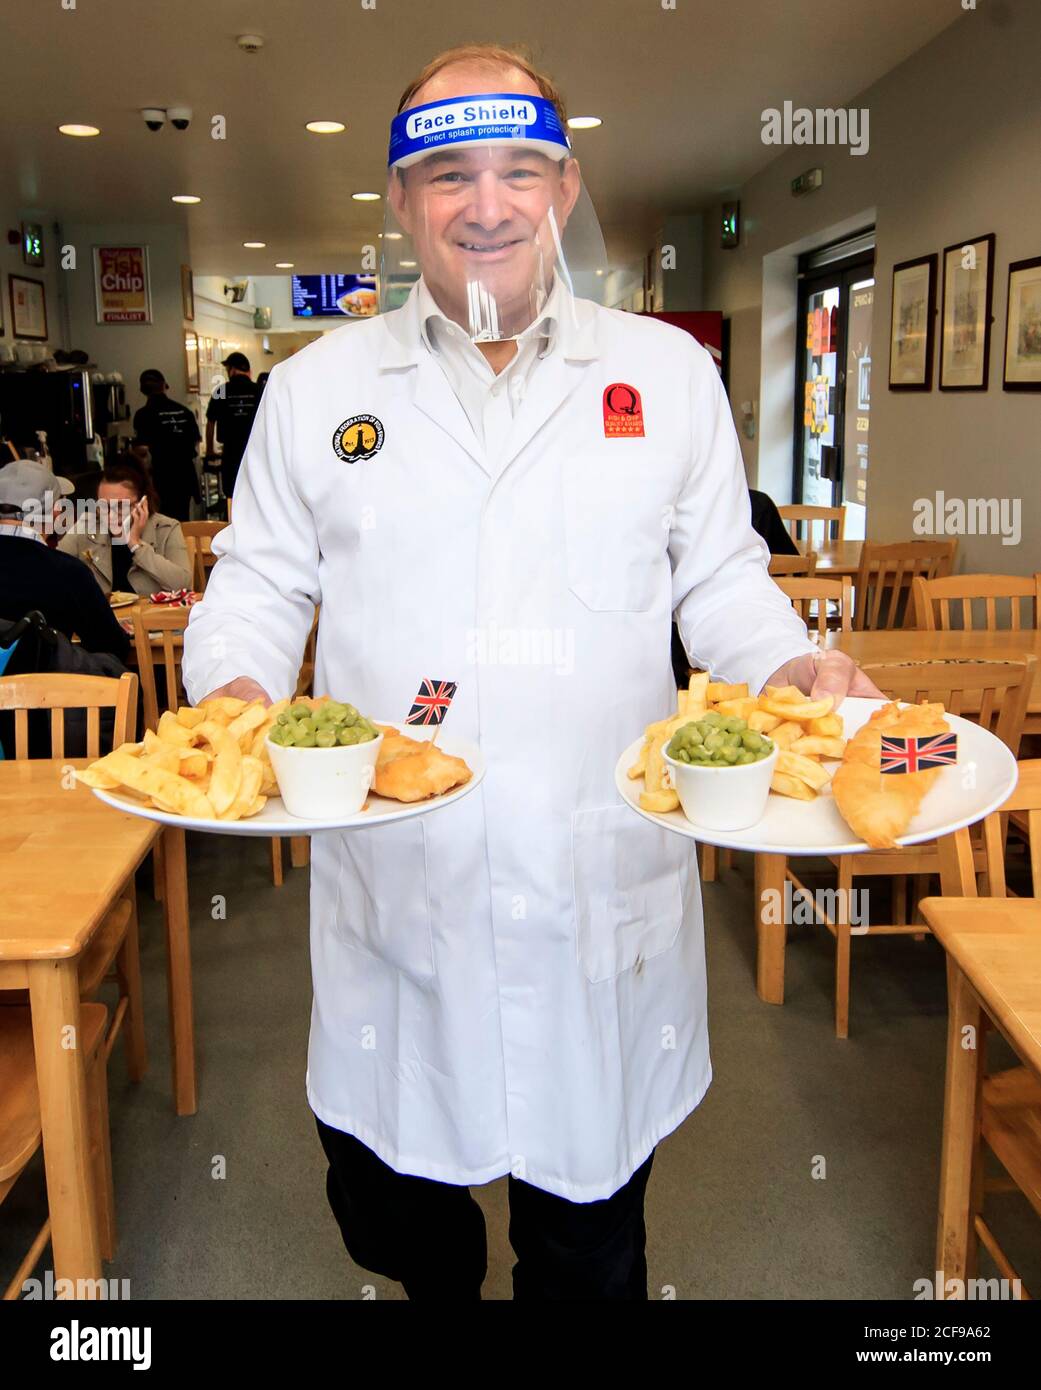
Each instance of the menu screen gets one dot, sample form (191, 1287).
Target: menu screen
(329, 296)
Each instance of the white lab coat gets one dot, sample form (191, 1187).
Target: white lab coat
(516, 983)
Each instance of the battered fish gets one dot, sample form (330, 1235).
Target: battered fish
(409, 769)
(879, 808)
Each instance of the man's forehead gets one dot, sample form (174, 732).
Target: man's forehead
(476, 157)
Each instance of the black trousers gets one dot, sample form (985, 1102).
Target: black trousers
(430, 1235)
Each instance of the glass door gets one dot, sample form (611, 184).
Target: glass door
(833, 394)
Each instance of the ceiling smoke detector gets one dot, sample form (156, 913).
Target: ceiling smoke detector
(250, 43)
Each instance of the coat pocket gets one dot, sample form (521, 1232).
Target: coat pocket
(629, 879)
(382, 900)
(616, 541)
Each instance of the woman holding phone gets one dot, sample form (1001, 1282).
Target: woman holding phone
(131, 545)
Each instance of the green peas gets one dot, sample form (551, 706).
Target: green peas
(328, 724)
(715, 741)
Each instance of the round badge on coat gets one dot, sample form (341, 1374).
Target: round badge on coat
(358, 438)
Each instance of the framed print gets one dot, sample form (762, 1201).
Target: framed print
(122, 292)
(912, 325)
(187, 294)
(968, 285)
(1023, 327)
(28, 308)
(191, 360)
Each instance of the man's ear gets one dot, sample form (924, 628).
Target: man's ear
(398, 199)
(570, 187)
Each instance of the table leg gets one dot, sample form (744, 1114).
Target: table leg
(961, 1126)
(54, 996)
(771, 932)
(179, 970)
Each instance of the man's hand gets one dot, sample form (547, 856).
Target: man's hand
(826, 673)
(241, 688)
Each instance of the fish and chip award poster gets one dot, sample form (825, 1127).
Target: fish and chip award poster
(121, 287)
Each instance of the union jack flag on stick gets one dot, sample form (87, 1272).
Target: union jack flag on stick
(903, 755)
(431, 703)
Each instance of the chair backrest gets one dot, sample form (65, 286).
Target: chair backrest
(1026, 798)
(885, 576)
(793, 565)
(810, 599)
(965, 594)
(832, 521)
(993, 694)
(167, 646)
(201, 533)
(59, 692)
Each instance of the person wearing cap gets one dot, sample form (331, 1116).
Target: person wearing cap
(513, 985)
(130, 545)
(34, 576)
(171, 432)
(230, 413)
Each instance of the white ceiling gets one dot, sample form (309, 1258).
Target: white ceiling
(680, 92)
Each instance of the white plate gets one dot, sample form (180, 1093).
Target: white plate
(815, 827)
(122, 602)
(274, 819)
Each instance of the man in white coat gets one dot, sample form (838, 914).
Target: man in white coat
(514, 985)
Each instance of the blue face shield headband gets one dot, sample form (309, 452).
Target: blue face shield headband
(458, 122)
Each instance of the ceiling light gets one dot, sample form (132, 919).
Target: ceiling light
(81, 130)
(254, 245)
(185, 198)
(284, 265)
(325, 127)
(391, 236)
(407, 265)
(584, 122)
(366, 197)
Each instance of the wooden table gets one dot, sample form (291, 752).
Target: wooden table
(64, 858)
(994, 967)
(835, 558)
(872, 648)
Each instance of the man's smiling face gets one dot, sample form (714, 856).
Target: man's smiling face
(482, 216)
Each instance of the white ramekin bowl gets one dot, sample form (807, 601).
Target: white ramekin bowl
(722, 798)
(325, 783)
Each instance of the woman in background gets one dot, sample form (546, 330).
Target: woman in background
(147, 552)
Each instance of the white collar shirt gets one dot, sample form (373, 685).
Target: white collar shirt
(489, 400)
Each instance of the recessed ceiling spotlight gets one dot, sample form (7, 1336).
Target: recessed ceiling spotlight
(325, 127)
(366, 197)
(81, 130)
(185, 198)
(584, 122)
(254, 245)
(284, 265)
(391, 236)
(407, 265)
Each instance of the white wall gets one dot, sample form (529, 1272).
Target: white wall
(955, 153)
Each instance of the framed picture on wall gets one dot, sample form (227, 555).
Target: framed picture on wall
(28, 308)
(122, 284)
(968, 287)
(187, 294)
(912, 325)
(1023, 327)
(191, 360)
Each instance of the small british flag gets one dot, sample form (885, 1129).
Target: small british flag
(431, 704)
(903, 755)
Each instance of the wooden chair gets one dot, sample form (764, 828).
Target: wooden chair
(832, 521)
(114, 951)
(793, 566)
(191, 546)
(883, 584)
(21, 1127)
(810, 599)
(159, 635)
(1010, 1103)
(994, 694)
(202, 534)
(935, 598)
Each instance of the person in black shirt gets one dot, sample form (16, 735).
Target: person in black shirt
(34, 576)
(231, 412)
(171, 432)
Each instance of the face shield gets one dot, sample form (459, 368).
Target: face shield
(486, 202)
